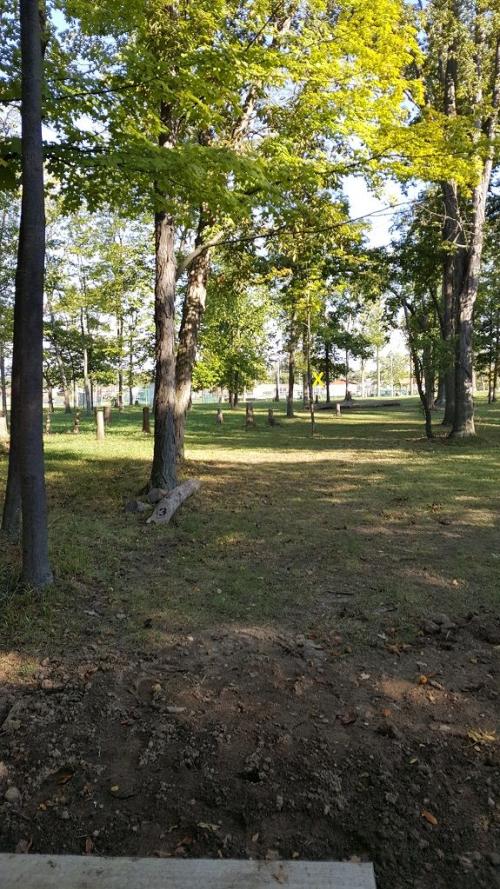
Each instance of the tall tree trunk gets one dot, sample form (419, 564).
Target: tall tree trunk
(495, 377)
(192, 313)
(419, 374)
(309, 374)
(346, 374)
(377, 354)
(441, 393)
(428, 374)
(327, 371)
(131, 369)
(291, 380)
(86, 381)
(453, 238)
(119, 324)
(420, 370)
(3, 382)
(463, 424)
(28, 436)
(164, 468)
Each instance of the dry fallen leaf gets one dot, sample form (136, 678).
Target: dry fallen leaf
(281, 875)
(481, 737)
(24, 846)
(429, 817)
(64, 775)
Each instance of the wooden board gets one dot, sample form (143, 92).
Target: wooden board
(90, 872)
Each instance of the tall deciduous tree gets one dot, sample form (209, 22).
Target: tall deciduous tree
(463, 67)
(227, 107)
(26, 480)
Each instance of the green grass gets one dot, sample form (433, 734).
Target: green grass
(283, 528)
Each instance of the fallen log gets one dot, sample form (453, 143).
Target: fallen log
(167, 506)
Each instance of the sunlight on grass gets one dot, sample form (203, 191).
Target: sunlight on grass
(283, 524)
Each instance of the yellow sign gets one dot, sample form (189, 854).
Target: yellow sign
(318, 378)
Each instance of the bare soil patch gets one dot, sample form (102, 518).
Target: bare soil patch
(251, 743)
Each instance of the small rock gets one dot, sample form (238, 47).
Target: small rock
(443, 621)
(12, 795)
(388, 730)
(65, 815)
(51, 685)
(494, 858)
(173, 709)
(430, 627)
(279, 802)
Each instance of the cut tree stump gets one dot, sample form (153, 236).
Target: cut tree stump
(4, 432)
(92, 872)
(169, 505)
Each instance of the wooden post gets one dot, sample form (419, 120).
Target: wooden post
(270, 417)
(337, 406)
(249, 417)
(107, 413)
(100, 428)
(145, 420)
(76, 423)
(219, 418)
(47, 422)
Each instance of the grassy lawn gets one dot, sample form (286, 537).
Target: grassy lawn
(286, 529)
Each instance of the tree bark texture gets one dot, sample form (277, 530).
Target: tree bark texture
(163, 470)
(192, 313)
(27, 439)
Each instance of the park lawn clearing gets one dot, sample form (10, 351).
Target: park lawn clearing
(302, 664)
